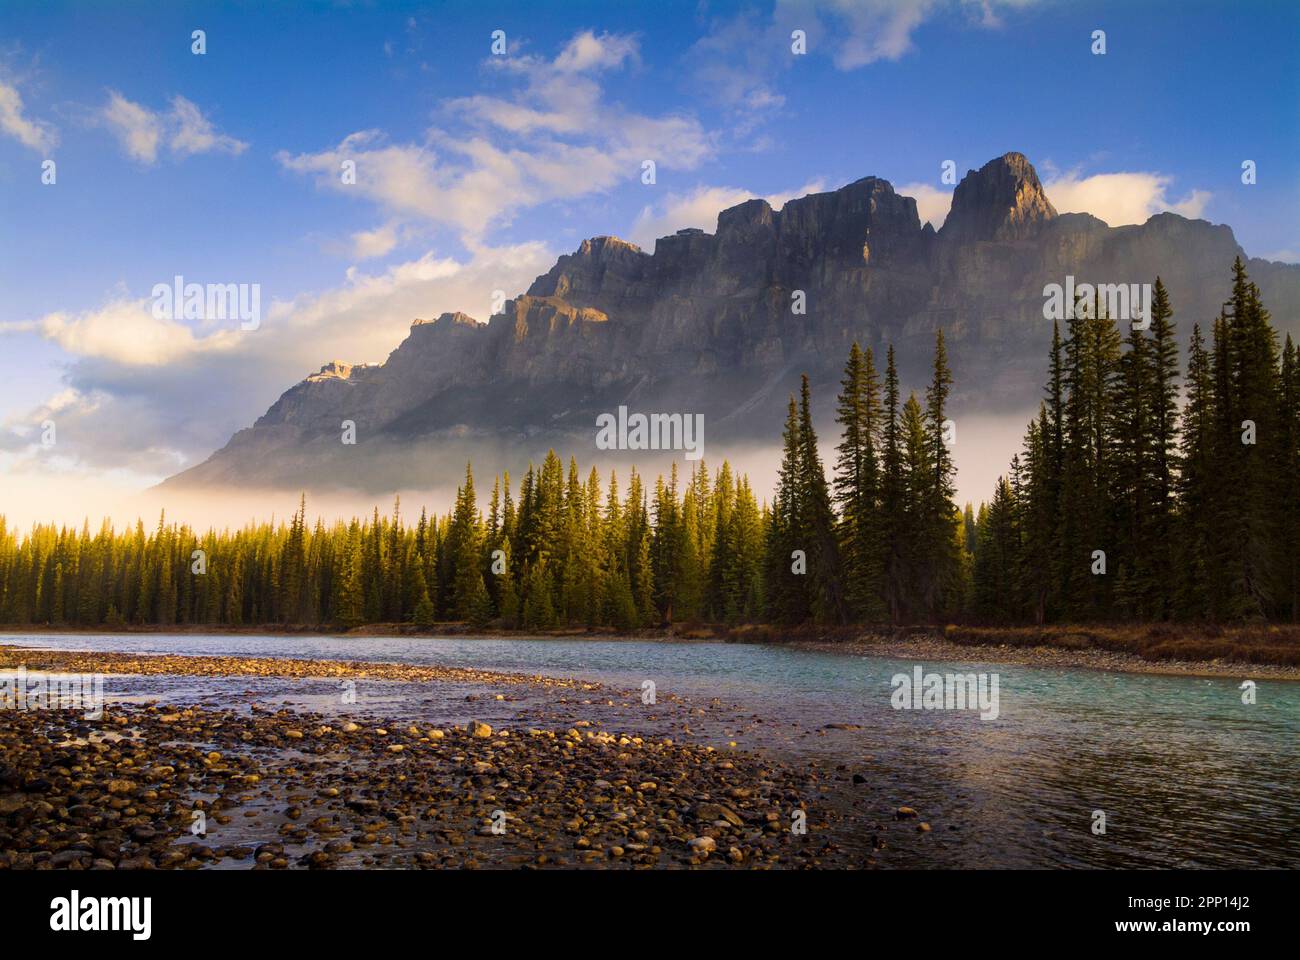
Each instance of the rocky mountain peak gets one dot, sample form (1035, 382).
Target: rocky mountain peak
(1002, 200)
(607, 247)
(456, 319)
(750, 213)
(705, 325)
(584, 270)
(334, 370)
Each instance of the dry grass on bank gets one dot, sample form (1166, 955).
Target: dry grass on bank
(1249, 643)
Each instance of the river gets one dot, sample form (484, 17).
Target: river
(1186, 773)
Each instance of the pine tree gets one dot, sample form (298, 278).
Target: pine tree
(941, 578)
(816, 521)
(787, 594)
(423, 614)
(892, 500)
(349, 604)
(997, 560)
(857, 485)
(666, 547)
(470, 600)
(539, 612)
(1164, 451)
(1134, 461)
(917, 517)
(1288, 485)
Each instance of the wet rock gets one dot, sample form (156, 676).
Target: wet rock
(716, 811)
(703, 845)
(577, 791)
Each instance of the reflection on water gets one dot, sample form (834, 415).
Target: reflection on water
(1186, 774)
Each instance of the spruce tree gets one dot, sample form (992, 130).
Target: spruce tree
(787, 593)
(816, 521)
(1164, 451)
(892, 499)
(857, 485)
(941, 544)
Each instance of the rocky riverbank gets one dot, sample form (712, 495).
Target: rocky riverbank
(154, 785)
(934, 647)
(67, 661)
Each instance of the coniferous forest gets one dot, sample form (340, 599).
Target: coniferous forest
(1139, 496)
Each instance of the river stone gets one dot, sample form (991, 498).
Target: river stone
(713, 812)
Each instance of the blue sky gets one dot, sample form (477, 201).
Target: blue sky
(475, 170)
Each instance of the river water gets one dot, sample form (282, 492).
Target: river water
(1185, 773)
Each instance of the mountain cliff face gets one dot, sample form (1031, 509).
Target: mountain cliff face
(705, 324)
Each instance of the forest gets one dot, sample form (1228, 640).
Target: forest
(1138, 496)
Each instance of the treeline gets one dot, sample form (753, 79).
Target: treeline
(1123, 507)
(1120, 507)
(562, 551)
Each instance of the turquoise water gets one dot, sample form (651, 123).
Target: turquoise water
(1186, 774)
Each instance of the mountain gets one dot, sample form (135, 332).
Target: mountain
(706, 324)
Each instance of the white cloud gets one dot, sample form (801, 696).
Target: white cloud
(364, 318)
(586, 51)
(742, 57)
(126, 332)
(871, 30)
(195, 134)
(862, 32)
(122, 331)
(700, 208)
(184, 129)
(35, 134)
(553, 138)
(374, 243)
(137, 128)
(1121, 198)
(932, 204)
(152, 396)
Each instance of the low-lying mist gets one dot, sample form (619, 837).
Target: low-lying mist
(983, 449)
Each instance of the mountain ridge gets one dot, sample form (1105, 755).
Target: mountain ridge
(705, 323)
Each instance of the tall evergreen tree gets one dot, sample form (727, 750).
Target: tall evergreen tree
(816, 521)
(857, 485)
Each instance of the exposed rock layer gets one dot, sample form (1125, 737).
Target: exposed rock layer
(705, 325)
